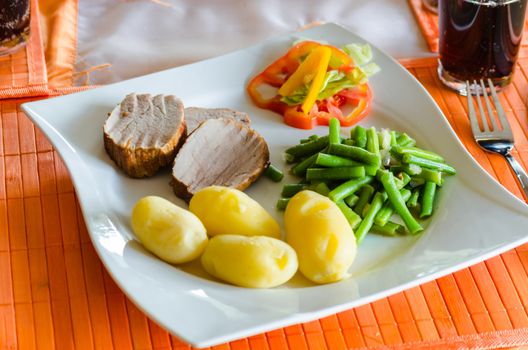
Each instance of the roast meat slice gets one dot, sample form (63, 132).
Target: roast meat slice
(143, 133)
(219, 152)
(194, 116)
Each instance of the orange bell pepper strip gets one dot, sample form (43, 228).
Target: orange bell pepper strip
(295, 117)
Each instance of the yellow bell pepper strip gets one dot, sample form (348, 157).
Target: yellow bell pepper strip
(308, 69)
(318, 80)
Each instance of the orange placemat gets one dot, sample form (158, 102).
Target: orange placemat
(55, 293)
(23, 73)
(428, 23)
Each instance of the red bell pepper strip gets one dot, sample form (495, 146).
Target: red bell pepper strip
(360, 97)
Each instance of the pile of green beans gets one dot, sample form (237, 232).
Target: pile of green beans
(379, 179)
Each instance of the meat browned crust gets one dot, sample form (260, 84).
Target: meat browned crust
(143, 133)
(219, 152)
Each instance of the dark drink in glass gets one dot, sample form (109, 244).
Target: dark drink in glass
(479, 39)
(14, 25)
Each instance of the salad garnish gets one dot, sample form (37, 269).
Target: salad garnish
(314, 82)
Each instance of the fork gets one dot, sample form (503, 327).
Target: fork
(494, 138)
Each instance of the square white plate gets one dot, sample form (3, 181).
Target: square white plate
(475, 217)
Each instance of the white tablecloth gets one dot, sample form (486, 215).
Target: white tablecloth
(136, 37)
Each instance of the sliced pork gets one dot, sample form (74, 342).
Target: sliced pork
(220, 152)
(194, 116)
(144, 132)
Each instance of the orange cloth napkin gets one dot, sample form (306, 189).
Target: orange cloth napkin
(60, 18)
(44, 63)
(24, 72)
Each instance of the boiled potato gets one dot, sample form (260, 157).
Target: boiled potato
(173, 234)
(321, 236)
(250, 261)
(225, 210)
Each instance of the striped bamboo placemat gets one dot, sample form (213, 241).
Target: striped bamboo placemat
(55, 293)
(23, 73)
(428, 23)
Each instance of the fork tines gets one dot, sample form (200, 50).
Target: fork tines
(479, 89)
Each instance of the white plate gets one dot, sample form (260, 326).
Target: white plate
(475, 217)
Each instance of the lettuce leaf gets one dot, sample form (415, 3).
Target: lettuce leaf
(360, 54)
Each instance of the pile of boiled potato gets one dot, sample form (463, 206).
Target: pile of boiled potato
(239, 242)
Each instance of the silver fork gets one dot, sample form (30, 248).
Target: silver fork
(494, 138)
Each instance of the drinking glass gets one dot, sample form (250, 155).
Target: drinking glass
(14, 25)
(479, 39)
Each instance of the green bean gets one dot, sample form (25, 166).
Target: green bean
(348, 188)
(352, 218)
(349, 142)
(430, 164)
(412, 202)
(427, 199)
(289, 190)
(387, 180)
(322, 189)
(405, 140)
(373, 147)
(308, 148)
(310, 138)
(394, 137)
(431, 175)
(333, 131)
(343, 173)
(385, 213)
(400, 183)
(416, 182)
(372, 140)
(411, 169)
(289, 158)
(355, 153)
(332, 161)
(368, 220)
(300, 168)
(389, 229)
(359, 135)
(351, 200)
(365, 193)
(404, 177)
(273, 173)
(282, 203)
(418, 152)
